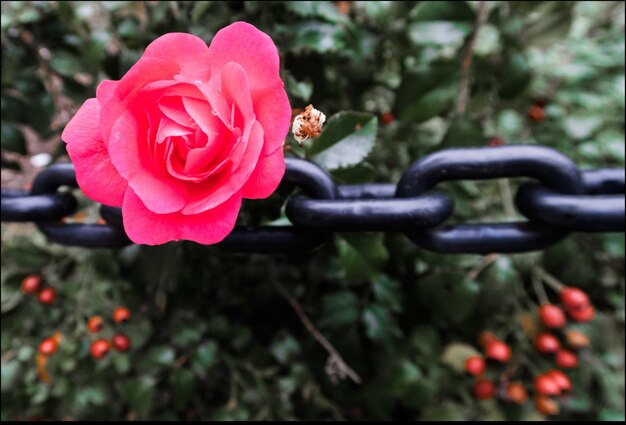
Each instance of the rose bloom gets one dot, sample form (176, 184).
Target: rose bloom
(187, 133)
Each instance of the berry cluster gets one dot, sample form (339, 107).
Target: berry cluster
(119, 342)
(553, 340)
(99, 347)
(31, 285)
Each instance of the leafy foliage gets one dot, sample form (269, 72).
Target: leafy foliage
(211, 336)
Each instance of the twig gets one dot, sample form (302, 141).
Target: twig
(538, 286)
(507, 198)
(552, 281)
(486, 262)
(461, 101)
(335, 361)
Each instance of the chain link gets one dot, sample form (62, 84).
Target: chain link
(561, 199)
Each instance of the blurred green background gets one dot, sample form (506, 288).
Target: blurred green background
(213, 334)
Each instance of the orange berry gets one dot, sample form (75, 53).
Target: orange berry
(576, 340)
(99, 348)
(121, 314)
(48, 346)
(485, 338)
(499, 351)
(94, 324)
(516, 392)
(546, 406)
(566, 359)
(536, 113)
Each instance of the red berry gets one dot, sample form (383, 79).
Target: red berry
(546, 385)
(546, 406)
(48, 346)
(121, 314)
(516, 392)
(584, 314)
(387, 118)
(566, 359)
(552, 316)
(99, 348)
(94, 324)
(577, 340)
(485, 338)
(496, 141)
(546, 343)
(541, 102)
(499, 351)
(31, 284)
(561, 379)
(120, 342)
(475, 365)
(536, 113)
(484, 390)
(573, 298)
(47, 296)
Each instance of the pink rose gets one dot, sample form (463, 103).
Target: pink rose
(187, 133)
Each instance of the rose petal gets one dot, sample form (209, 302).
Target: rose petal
(256, 53)
(95, 174)
(146, 70)
(254, 50)
(218, 188)
(273, 111)
(130, 155)
(187, 50)
(266, 176)
(145, 227)
(235, 89)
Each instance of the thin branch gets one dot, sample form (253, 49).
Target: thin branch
(335, 361)
(461, 101)
(486, 262)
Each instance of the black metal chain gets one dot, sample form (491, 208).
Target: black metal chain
(561, 200)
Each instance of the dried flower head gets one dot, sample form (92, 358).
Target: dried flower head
(308, 124)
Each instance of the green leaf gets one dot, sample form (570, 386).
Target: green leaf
(450, 297)
(285, 349)
(205, 358)
(445, 412)
(380, 324)
(66, 63)
(346, 139)
(387, 292)
(361, 255)
(426, 93)
(442, 11)
(339, 310)
(12, 138)
(441, 33)
(184, 385)
(139, 394)
(9, 373)
(163, 356)
(514, 76)
(455, 354)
